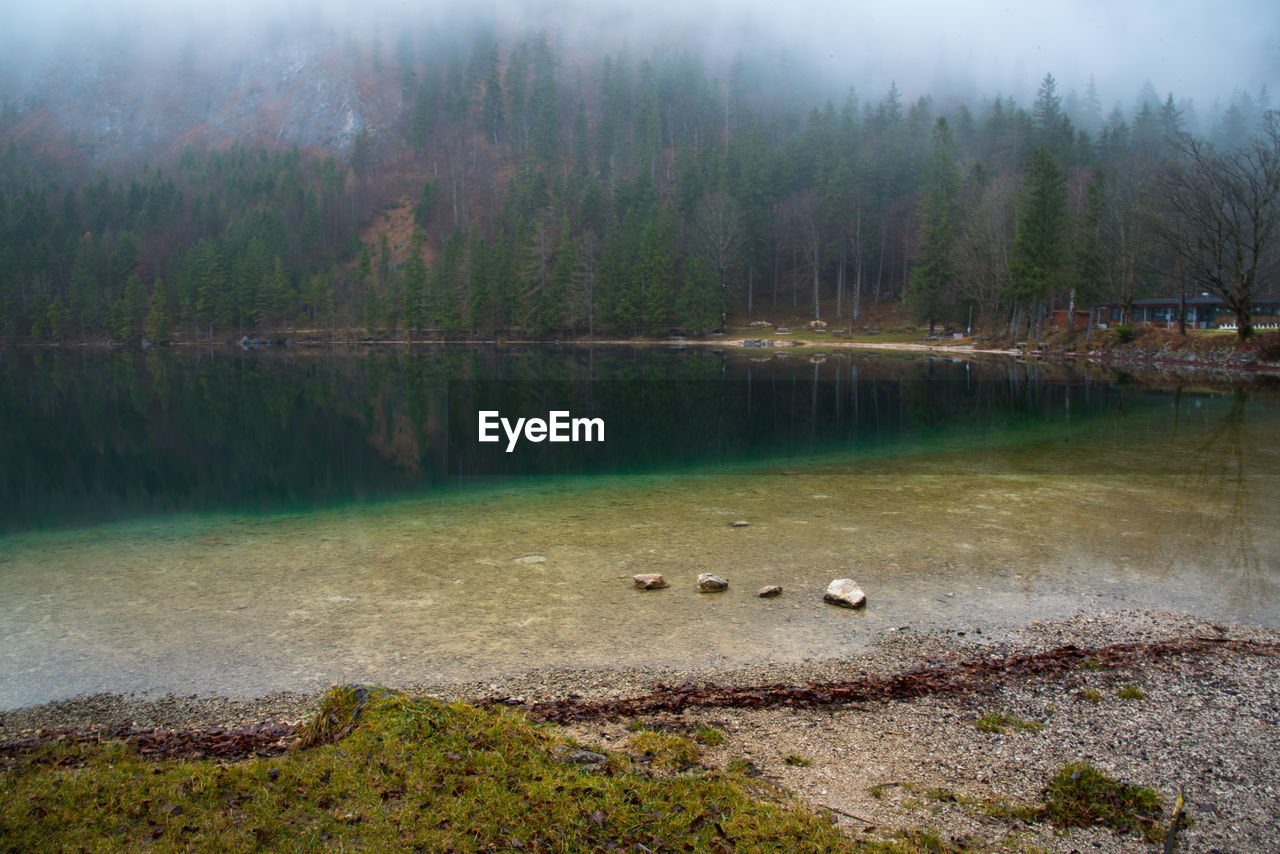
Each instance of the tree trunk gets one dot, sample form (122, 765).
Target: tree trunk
(1244, 322)
(879, 269)
(840, 289)
(857, 289)
(817, 313)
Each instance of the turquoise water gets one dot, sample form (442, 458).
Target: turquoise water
(255, 523)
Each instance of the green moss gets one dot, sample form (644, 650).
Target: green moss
(1131, 692)
(1090, 695)
(1082, 796)
(336, 716)
(1009, 810)
(411, 774)
(1002, 721)
(709, 736)
(663, 750)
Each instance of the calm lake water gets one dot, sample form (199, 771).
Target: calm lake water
(246, 522)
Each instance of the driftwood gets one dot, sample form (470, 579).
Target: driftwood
(272, 738)
(262, 739)
(960, 677)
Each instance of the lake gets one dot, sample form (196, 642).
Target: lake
(232, 522)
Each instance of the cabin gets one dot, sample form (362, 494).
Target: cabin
(1203, 312)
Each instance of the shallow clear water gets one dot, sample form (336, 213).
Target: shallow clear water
(974, 496)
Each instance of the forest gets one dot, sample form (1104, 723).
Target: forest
(556, 193)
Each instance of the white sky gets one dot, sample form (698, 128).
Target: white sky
(1190, 47)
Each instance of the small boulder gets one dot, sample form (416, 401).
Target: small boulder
(769, 591)
(846, 593)
(708, 583)
(741, 523)
(649, 581)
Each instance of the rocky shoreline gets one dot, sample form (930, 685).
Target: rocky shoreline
(1206, 724)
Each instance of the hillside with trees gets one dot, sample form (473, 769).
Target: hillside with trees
(543, 191)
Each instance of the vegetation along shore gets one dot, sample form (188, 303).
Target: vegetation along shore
(1111, 732)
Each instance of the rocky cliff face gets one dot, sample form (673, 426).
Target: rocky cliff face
(114, 105)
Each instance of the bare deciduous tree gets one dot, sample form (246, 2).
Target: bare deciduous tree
(1222, 216)
(803, 214)
(985, 244)
(721, 234)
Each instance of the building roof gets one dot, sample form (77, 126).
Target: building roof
(1196, 300)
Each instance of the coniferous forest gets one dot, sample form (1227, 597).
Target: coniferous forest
(526, 190)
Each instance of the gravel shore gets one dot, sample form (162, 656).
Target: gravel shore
(1206, 725)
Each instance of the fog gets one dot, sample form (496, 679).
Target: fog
(971, 49)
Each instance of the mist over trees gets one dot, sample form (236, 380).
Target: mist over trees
(556, 190)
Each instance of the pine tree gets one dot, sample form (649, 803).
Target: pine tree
(157, 323)
(372, 310)
(492, 107)
(554, 309)
(1088, 267)
(654, 273)
(1036, 266)
(415, 307)
(698, 306)
(933, 278)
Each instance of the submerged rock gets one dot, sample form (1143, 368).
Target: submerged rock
(708, 583)
(649, 581)
(769, 591)
(846, 593)
(741, 523)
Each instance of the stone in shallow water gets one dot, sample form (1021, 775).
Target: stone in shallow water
(708, 583)
(649, 581)
(531, 559)
(769, 591)
(845, 592)
(739, 524)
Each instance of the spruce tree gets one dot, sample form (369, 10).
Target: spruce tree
(933, 276)
(157, 323)
(1038, 251)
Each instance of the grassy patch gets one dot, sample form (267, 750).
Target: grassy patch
(709, 735)
(1090, 695)
(663, 750)
(1131, 692)
(1002, 722)
(1082, 796)
(335, 717)
(1003, 808)
(796, 760)
(410, 774)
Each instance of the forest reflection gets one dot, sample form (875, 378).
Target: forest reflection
(94, 436)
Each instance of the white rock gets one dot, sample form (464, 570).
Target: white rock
(845, 592)
(708, 583)
(649, 581)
